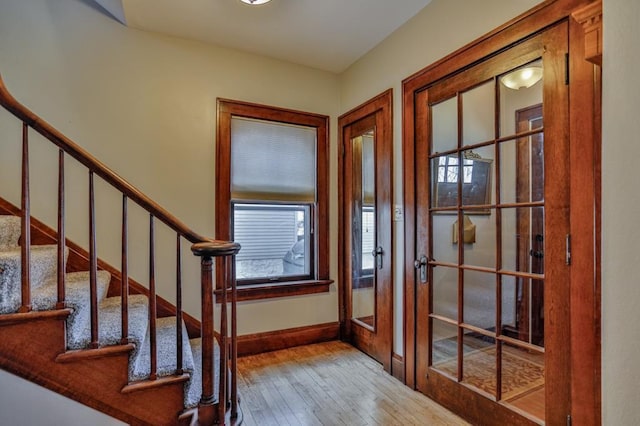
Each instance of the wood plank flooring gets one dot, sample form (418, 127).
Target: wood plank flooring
(330, 384)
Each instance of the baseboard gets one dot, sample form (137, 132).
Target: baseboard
(397, 367)
(251, 344)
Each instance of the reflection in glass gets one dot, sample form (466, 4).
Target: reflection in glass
(513, 100)
(522, 170)
(523, 239)
(444, 119)
(363, 230)
(480, 299)
(475, 173)
(478, 114)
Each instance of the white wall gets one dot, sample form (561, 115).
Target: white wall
(440, 28)
(46, 408)
(145, 105)
(620, 212)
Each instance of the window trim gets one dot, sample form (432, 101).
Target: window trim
(320, 215)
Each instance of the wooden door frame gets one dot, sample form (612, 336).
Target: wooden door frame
(585, 136)
(383, 105)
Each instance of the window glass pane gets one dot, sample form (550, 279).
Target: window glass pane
(274, 238)
(272, 161)
(368, 238)
(478, 114)
(368, 171)
(444, 119)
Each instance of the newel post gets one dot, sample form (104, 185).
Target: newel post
(210, 409)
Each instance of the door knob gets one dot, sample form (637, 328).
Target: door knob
(421, 264)
(377, 253)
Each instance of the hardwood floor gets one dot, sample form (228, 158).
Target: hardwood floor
(329, 384)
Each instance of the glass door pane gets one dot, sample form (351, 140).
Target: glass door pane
(363, 230)
(487, 248)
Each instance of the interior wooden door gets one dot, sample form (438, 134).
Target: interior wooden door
(366, 230)
(478, 212)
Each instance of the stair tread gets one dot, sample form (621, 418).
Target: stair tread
(166, 343)
(76, 290)
(110, 323)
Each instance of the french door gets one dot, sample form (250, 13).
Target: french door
(365, 228)
(492, 217)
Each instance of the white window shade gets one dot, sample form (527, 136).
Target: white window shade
(272, 161)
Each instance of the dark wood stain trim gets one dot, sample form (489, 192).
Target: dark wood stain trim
(252, 344)
(22, 317)
(585, 130)
(29, 350)
(267, 291)
(521, 27)
(380, 109)
(472, 406)
(225, 110)
(79, 261)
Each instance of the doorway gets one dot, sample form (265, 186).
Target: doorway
(492, 219)
(365, 254)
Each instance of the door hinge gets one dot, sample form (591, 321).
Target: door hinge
(569, 420)
(566, 69)
(568, 250)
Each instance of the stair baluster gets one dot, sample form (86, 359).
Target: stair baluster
(26, 225)
(231, 265)
(124, 273)
(61, 233)
(153, 350)
(179, 361)
(93, 265)
(217, 405)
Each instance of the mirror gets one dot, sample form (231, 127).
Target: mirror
(475, 173)
(363, 229)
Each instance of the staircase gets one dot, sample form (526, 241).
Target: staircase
(82, 328)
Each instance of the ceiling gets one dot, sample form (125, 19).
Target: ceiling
(325, 34)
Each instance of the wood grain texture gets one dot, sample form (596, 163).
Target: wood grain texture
(585, 104)
(414, 99)
(330, 383)
(226, 109)
(29, 350)
(377, 114)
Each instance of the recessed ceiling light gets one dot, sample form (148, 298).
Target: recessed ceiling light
(255, 2)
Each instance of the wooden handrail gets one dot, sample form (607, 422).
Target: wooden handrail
(210, 410)
(93, 164)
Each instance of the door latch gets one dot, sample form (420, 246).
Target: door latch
(377, 253)
(421, 264)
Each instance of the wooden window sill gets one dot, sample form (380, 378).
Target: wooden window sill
(272, 290)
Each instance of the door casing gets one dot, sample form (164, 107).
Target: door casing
(378, 344)
(584, 340)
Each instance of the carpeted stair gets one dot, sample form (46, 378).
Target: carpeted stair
(44, 297)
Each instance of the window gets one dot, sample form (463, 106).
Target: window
(272, 197)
